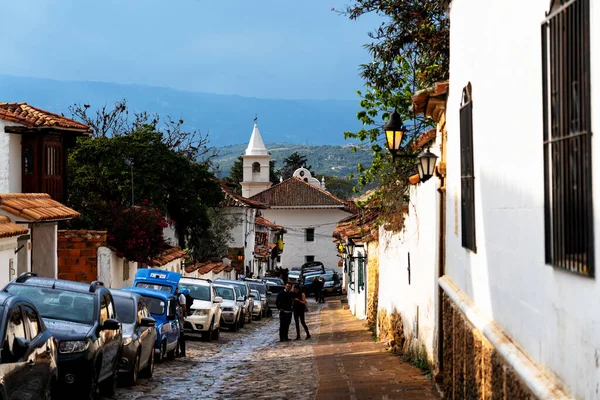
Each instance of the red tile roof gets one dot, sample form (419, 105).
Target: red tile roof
(32, 117)
(35, 207)
(233, 199)
(10, 229)
(424, 138)
(422, 97)
(168, 255)
(206, 267)
(294, 192)
(265, 222)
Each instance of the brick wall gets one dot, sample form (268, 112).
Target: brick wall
(77, 254)
(473, 369)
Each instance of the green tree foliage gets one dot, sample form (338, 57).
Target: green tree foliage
(291, 164)
(100, 182)
(339, 187)
(212, 242)
(410, 52)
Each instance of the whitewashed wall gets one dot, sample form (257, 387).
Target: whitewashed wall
(357, 295)
(170, 234)
(110, 269)
(244, 232)
(7, 253)
(551, 315)
(10, 160)
(416, 300)
(295, 221)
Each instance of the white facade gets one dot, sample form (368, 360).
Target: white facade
(296, 221)
(243, 233)
(550, 315)
(10, 160)
(111, 269)
(256, 166)
(8, 260)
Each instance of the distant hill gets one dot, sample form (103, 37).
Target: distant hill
(325, 160)
(227, 119)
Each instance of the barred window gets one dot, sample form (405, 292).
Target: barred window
(567, 137)
(467, 177)
(310, 234)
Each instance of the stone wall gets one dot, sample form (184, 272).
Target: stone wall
(473, 369)
(373, 284)
(77, 254)
(391, 331)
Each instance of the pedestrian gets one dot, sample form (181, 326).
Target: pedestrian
(299, 310)
(181, 310)
(284, 305)
(316, 284)
(321, 289)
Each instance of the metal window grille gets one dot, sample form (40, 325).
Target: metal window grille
(310, 234)
(567, 137)
(467, 179)
(361, 272)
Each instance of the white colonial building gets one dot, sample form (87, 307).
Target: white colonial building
(299, 204)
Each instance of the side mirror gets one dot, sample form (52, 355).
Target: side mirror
(147, 321)
(241, 298)
(111, 325)
(218, 299)
(252, 295)
(269, 293)
(20, 347)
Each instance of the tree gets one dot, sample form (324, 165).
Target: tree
(213, 242)
(291, 164)
(339, 187)
(410, 51)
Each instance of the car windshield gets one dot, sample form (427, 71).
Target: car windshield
(327, 277)
(58, 304)
(262, 289)
(155, 286)
(275, 289)
(125, 309)
(225, 293)
(196, 291)
(155, 306)
(276, 281)
(255, 293)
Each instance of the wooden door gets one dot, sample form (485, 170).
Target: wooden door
(52, 167)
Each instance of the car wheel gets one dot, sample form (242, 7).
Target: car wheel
(269, 313)
(50, 389)
(207, 336)
(259, 317)
(148, 371)
(171, 354)
(242, 320)
(216, 333)
(235, 326)
(133, 375)
(92, 390)
(109, 386)
(163, 352)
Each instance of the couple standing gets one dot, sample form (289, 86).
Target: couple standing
(289, 301)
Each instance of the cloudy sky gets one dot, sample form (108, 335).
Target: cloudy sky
(258, 48)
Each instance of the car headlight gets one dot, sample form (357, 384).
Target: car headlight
(127, 341)
(73, 346)
(201, 312)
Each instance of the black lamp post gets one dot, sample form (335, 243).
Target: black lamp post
(394, 132)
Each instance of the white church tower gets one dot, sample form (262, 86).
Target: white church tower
(256, 166)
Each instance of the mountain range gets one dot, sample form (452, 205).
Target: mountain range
(228, 119)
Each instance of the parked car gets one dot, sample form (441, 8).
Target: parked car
(163, 308)
(83, 319)
(241, 302)
(261, 287)
(231, 311)
(157, 279)
(245, 291)
(293, 277)
(272, 292)
(333, 283)
(139, 336)
(310, 268)
(204, 315)
(276, 281)
(257, 310)
(28, 362)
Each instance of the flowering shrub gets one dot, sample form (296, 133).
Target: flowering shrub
(137, 233)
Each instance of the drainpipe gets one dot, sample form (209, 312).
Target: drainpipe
(441, 251)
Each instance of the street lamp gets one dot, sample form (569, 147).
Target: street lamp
(240, 256)
(394, 131)
(280, 245)
(349, 247)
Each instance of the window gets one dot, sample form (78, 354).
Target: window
(33, 321)
(567, 137)
(255, 167)
(15, 329)
(103, 310)
(467, 178)
(28, 157)
(309, 258)
(310, 234)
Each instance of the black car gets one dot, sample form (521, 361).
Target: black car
(28, 367)
(82, 317)
(139, 336)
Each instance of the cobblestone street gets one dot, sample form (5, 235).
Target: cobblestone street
(253, 364)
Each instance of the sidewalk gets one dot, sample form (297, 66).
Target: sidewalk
(352, 366)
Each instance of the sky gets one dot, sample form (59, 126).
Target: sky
(256, 48)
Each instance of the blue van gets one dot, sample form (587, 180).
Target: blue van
(157, 279)
(163, 308)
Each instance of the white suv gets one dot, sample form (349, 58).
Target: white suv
(204, 315)
(231, 316)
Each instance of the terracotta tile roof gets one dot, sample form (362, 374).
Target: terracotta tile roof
(10, 229)
(261, 252)
(32, 117)
(168, 255)
(265, 222)
(421, 98)
(35, 207)
(232, 199)
(205, 267)
(294, 192)
(424, 138)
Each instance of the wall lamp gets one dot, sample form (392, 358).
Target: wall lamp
(394, 132)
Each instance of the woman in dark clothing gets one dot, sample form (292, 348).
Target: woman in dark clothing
(299, 310)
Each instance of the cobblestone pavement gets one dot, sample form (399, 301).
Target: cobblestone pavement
(249, 364)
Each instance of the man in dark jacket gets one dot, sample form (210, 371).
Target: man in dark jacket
(284, 305)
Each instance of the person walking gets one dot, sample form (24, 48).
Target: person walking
(316, 285)
(299, 310)
(284, 305)
(321, 289)
(181, 312)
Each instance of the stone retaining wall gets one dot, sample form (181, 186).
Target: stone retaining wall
(373, 285)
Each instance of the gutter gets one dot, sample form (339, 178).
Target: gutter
(536, 380)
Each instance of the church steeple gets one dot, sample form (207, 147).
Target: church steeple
(256, 165)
